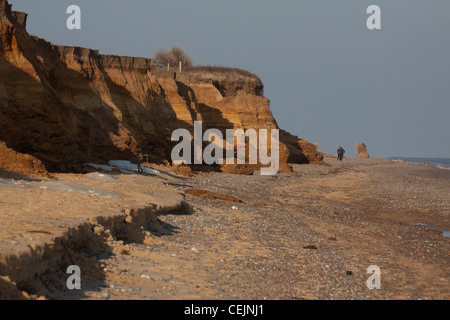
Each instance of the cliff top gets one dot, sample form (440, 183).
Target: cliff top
(217, 73)
(228, 80)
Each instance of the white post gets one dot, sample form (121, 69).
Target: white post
(180, 66)
(168, 67)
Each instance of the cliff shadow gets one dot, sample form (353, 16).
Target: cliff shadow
(17, 176)
(36, 121)
(137, 116)
(52, 283)
(300, 151)
(190, 98)
(212, 119)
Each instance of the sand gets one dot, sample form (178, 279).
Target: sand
(310, 234)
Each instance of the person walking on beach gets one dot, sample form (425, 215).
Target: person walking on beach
(340, 153)
(139, 159)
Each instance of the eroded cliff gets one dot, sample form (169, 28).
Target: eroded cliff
(68, 105)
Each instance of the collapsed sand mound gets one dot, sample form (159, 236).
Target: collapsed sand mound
(12, 161)
(361, 148)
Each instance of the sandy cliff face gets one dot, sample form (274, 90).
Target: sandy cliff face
(233, 99)
(228, 99)
(69, 105)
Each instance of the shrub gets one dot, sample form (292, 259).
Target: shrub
(172, 57)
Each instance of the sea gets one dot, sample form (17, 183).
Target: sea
(443, 163)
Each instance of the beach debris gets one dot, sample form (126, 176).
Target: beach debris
(145, 276)
(122, 166)
(349, 273)
(100, 176)
(444, 233)
(59, 187)
(310, 247)
(195, 250)
(234, 208)
(128, 166)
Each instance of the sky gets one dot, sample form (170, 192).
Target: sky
(330, 79)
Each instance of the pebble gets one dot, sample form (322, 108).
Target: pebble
(146, 277)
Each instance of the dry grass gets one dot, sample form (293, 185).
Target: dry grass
(215, 71)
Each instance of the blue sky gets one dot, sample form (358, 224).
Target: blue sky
(328, 77)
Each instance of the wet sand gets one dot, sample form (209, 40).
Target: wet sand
(310, 234)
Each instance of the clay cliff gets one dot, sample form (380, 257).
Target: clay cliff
(68, 105)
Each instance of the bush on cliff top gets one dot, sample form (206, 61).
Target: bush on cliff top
(173, 56)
